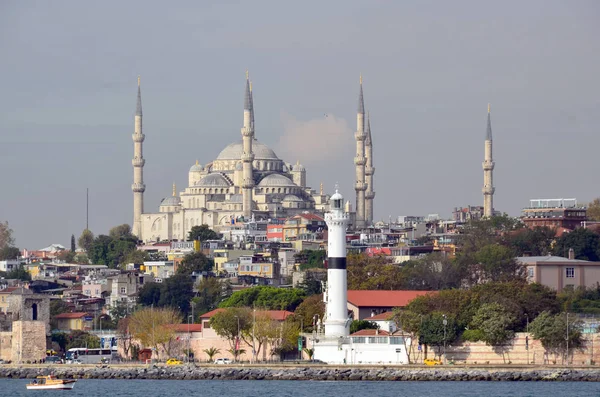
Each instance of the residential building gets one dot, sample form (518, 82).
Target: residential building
(125, 286)
(304, 224)
(558, 273)
(9, 265)
(367, 303)
(554, 213)
(159, 269)
(259, 266)
(287, 260)
(275, 233)
(470, 213)
(384, 321)
(222, 256)
(77, 321)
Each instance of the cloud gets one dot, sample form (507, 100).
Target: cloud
(317, 141)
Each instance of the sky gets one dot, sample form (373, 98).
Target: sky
(69, 80)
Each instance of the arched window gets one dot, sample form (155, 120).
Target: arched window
(34, 312)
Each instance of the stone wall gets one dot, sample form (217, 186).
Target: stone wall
(6, 346)
(28, 341)
(513, 353)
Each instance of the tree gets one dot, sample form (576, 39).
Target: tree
(433, 332)
(177, 292)
(498, 263)
(149, 294)
(136, 256)
(495, 322)
(593, 210)
(81, 258)
(231, 324)
(551, 330)
(19, 273)
(433, 272)
(585, 244)
(154, 327)
(77, 339)
(66, 256)
(9, 252)
(124, 336)
(211, 291)
(61, 339)
(73, 247)
(109, 251)
(6, 235)
(310, 285)
(357, 325)
(195, 262)
(409, 323)
(311, 308)
(534, 242)
(373, 273)
(120, 232)
(211, 353)
(266, 297)
(202, 233)
(309, 259)
(57, 306)
(86, 240)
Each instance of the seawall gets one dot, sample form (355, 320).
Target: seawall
(323, 373)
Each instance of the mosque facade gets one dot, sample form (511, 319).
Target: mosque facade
(247, 180)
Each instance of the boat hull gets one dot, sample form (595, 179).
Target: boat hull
(62, 386)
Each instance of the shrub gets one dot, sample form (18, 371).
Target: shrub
(473, 335)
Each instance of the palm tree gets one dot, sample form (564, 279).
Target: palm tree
(310, 353)
(236, 353)
(211, 353)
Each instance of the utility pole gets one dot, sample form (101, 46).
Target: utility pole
(445, 321)
(567, 338)
(527, 337)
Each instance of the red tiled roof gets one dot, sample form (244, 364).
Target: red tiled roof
(381, 298)
(310, 217)
(184, 327)
(381, 317)
(370, 332)
(277, 315)
(71, 315)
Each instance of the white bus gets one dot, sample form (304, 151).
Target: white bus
(81, 355)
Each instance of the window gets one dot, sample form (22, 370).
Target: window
(530, 272)
(123, 290)
(570, 272)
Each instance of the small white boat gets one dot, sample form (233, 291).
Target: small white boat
(49, 382)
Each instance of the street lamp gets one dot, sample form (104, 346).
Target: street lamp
(445, 322)
(189, 338)
(567, 338)
(527, 337)
(237, 343)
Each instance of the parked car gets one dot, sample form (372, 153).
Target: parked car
(53, 360)
(431, 361)
(174, 361)
(223, 361)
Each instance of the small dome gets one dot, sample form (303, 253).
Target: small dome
(171, 201)
(213, 180)
(275, 180)
(234, 151)
(196, 168)
(291, 197)
(337, 196)
(239, 166)
(299, 167)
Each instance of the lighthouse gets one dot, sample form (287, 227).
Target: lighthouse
(336, 315)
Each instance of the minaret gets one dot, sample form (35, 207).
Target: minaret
(138, 162)
(360, 161)
(252, 111)
(488, 169)
(248, 155)
(336, 313)
(369, 172)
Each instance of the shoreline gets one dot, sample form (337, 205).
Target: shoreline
(305, 372)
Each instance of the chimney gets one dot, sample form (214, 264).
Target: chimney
(571, 253)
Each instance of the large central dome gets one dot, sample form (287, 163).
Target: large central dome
(234, 151)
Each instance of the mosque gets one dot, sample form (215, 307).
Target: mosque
(246, 181)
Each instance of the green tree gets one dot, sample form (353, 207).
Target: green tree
(202, 233)
(19, 273)
(109, 251)
(136, 256)
(357, 325)
(266, 297)
(211, 353)
(311, 286)
(495, 322)
(311, 308)
(6, 235)
(534, 242)
(585, 244)
(498, 263)
(433, 272)
(86, 240)
(154, 327)
(61, 338)
(177, 292)
(231, 323)
(409, 323)
(373, 273)
(57, 306)
(593, 210)
(211, 291)
(66, 256)
(149, 294)
(82, 339)
(73, 247)
(120, 232)
(8, 252)
(434, 333)
(309, 259)
(195, 262)
(81, 258)
(551, 330)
